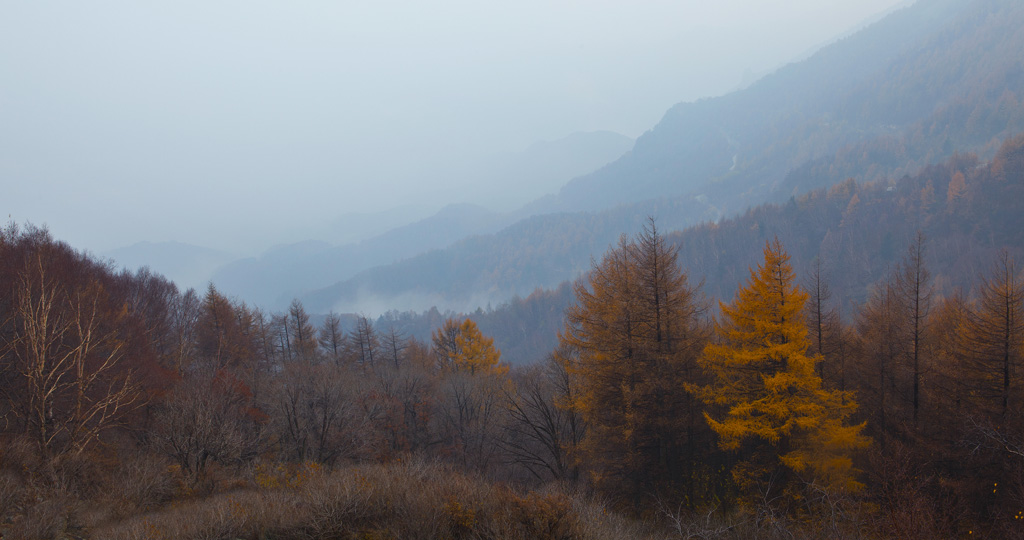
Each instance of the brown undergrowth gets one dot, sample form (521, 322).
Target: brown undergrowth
(407, 500)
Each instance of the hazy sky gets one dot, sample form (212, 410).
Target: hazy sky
(239, 124)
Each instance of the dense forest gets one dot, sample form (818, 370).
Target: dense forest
(686, 394)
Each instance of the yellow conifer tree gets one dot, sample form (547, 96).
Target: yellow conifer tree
(772, 400)
(475, 352)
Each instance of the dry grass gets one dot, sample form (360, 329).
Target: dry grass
(49, 518)
(144, 482)
(415, 501)
(412, 500)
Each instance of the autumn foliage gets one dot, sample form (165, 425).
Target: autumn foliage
(631, 342)
(767, 386)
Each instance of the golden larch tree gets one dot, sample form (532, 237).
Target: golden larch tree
(772, 400)
(461, 347)
(476, 352)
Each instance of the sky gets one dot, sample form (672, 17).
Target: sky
(242, 124)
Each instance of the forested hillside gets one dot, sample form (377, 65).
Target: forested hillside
(852, 233)
(966, 210)
(930, 80)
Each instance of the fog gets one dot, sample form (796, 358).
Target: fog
(238, 125)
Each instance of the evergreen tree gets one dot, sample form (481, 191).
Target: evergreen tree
(224, 329)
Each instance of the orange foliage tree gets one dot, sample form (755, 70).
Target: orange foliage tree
(476, 351)
(772, 402)
(631, 345)
(462, 347)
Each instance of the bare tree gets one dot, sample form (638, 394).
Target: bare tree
(914, 292)
(394, 345)
(69, 360)
(332, 338)
(822, 319)
(280, 329)
(406, 392)
(471, 415)
(539, 434)
(363, 343)
(304, 342)
(314, 412)
(207, 419)
(185, 316)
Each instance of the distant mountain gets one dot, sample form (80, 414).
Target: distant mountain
(186, 264)
(925, 81)
(540, 251)
(355, 227)
(280, 274)
(507, 182)
(853, 90)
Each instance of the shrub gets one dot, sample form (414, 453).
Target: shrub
(143, 481)
(42, 521)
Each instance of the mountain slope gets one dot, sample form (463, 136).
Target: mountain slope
(507, 182)
(280, 274)
(875, 119)
(540, 251)
(860, 231)
(754, 136)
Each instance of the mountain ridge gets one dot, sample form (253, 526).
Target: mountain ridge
(273, 278)
(801, 152)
